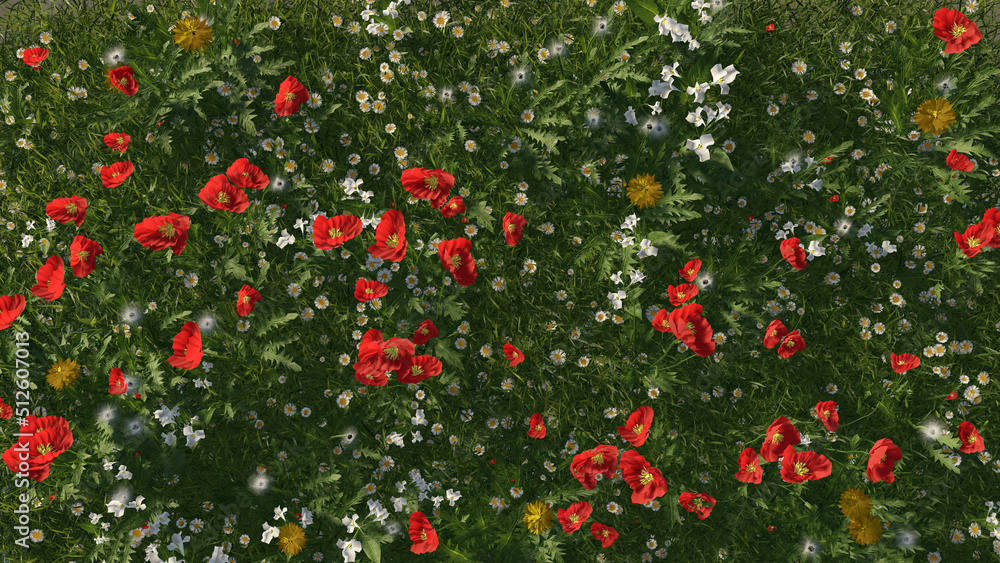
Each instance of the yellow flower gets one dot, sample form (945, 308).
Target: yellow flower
(291, 539)
(192, 34)
(644, 191)
(854, 503)
(538, 517)
(63, 373)
(866, 529)
(935, 116)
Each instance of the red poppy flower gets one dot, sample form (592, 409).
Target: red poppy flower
(10, 307)
(792, 251)
(366, 374)
(646, 481)
(42, 440)
(957, 30)
(390, 237)
(690, 270)
(834, 198)
(418, 369)
(826, 411)
(700, 503)
(434, 185)
(453, 207)
(780, 435)
(425, 539)
(975, 238)
(33, 57)
(586, 465)
(904, 362)
(117, 141)
(687, 324)
(425, 332)
(6, 411)
(661, 321)
(386, 355)
(514, 356)
(972, 442)
(366, 290)
(791, 344)
(604, 534)
(636, 429)
(952, 396)
(335, 231)
(512, 228)
(187, 347)
(456, 257)
(164, 231)
(681, 293)
(536, 427)
(992, 217)
(66, 209)
(51, 279)
(957, 161)
(122, 78)
(750, 469)
(882, 459)
(769, 27)
(246, 175)
(116, 174)
(797, 467)
(572, 518)
(83, 255)
(290, 95)
(117, 383)
(219, 194)
(774, 333)
(246, 300)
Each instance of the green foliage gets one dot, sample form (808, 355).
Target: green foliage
(286, 423)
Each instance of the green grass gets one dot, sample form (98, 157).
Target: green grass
(568, 178)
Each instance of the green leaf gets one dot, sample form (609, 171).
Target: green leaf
(273, 322)
(479, 214)
(279, 358)
(372, 549)
(173, 318)
(233, 267)
(645, 9)
(722, 158)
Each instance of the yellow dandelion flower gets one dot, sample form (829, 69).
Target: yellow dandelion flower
(291, 539)
(538, 517)
(854, 503)
(192, 34)
(866, 529)
(935, 116)
(63, 373)
(644, 191)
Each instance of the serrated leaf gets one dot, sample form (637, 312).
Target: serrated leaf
(943, 459)
(273, 322)
(173, 318)
(479, 214)
(280, 358)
